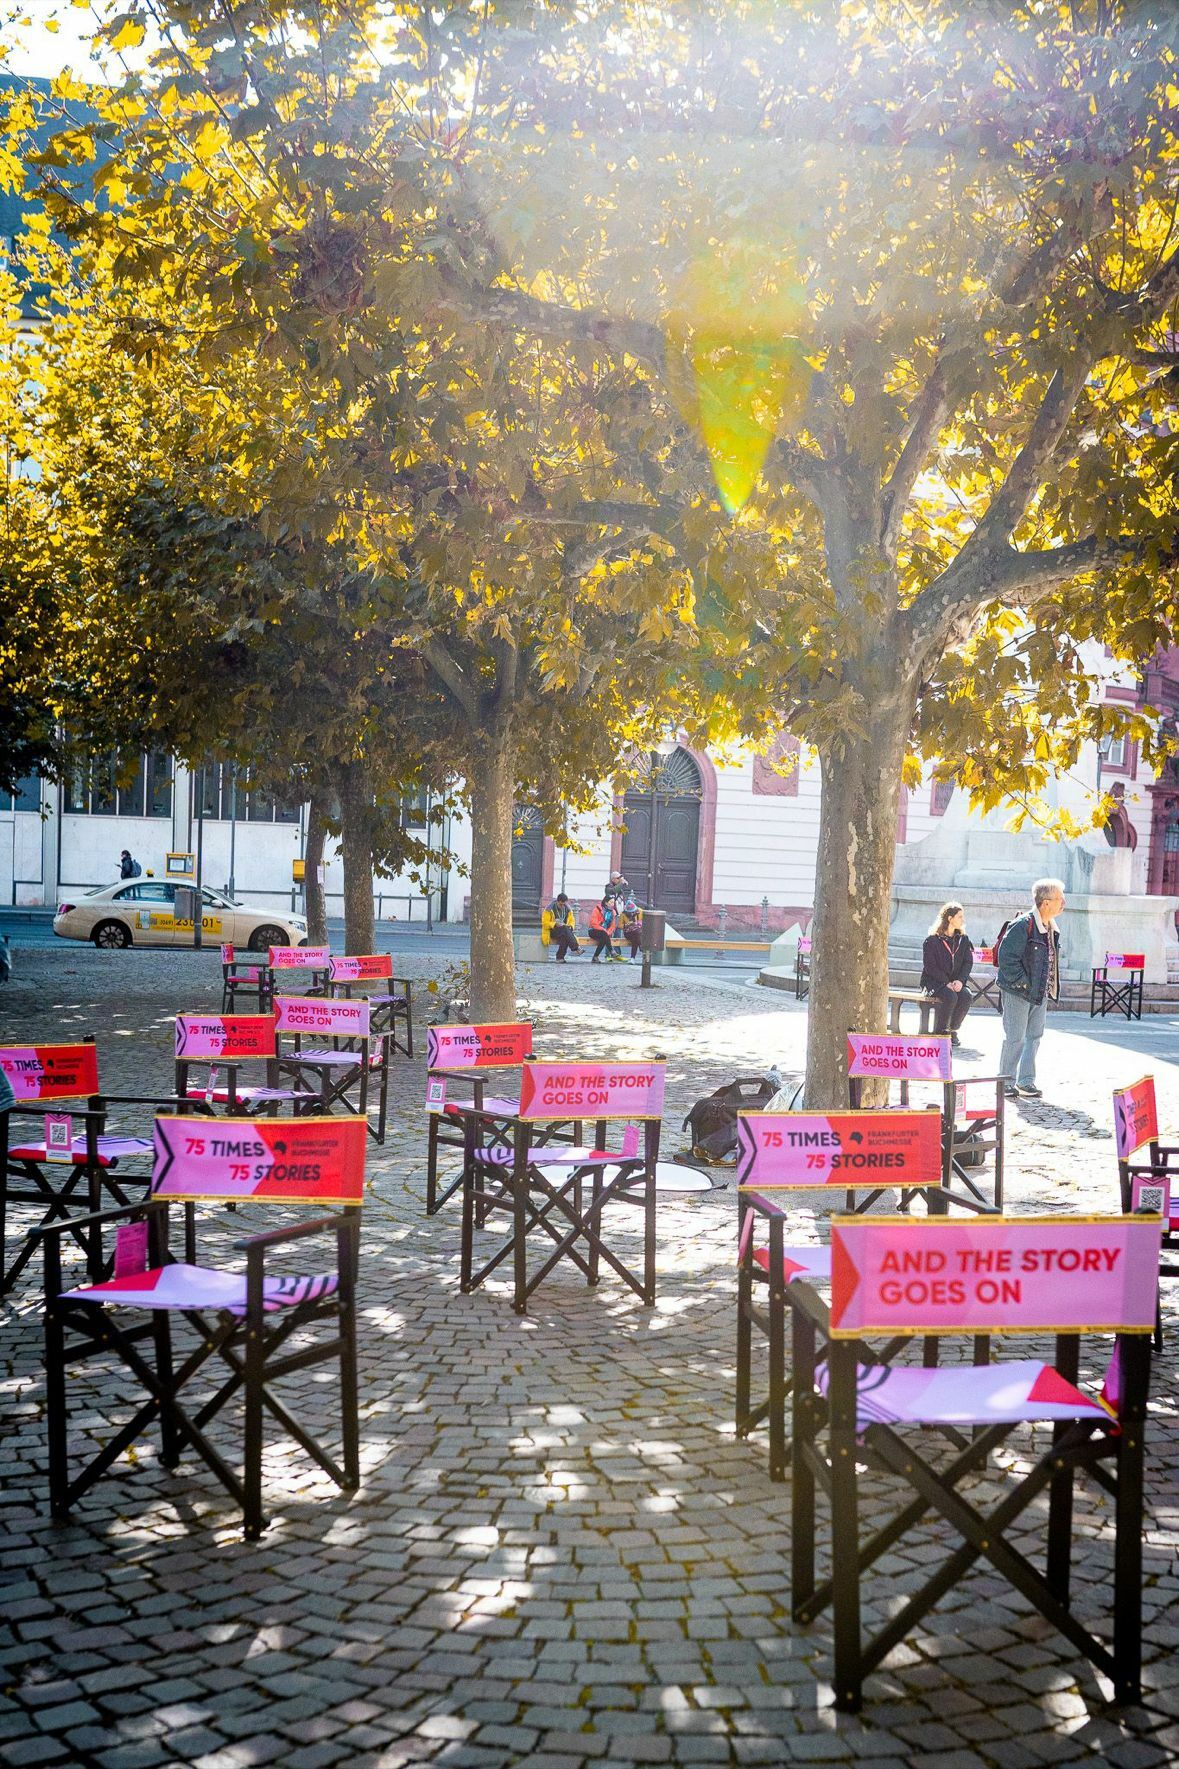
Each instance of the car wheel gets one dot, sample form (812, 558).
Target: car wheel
(263, 937)
(111, 936)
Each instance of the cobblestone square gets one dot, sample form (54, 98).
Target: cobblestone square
(560, 1555)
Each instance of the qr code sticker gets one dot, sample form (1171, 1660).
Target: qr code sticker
(1150, 1197)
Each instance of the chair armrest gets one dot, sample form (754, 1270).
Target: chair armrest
(120, 1213)
(141, 1099)
(296, 1231)
(759, 1202)
(807, 1301)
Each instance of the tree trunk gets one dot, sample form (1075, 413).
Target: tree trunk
(853, 893)
(356, 839)
(493, 968)
(313, 891)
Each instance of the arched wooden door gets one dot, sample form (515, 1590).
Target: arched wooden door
(660, 848)
(527, 866)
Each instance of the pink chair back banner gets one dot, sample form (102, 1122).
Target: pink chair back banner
(983, 954)
(802, 1150)
(367, 967)
(591, 1090)
(227, 954)
(804, 945)
(1152, 1191)
(1125, 961)
(50, 1071)
(1136, 1117)
(319, 1014)
(1043, 1274)
(299, 957)
(292, 1160)
(478, 1047)
(898, 1057)
(231, 1036)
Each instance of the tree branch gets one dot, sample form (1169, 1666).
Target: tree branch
(932, 409)
(567, 325)
(454, 678)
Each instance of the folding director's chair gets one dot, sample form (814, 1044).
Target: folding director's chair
(390, 1007)
(1151, 1184)
(210, 1051)
(1121, 992)
(242, 1318)
(972, 1110)
(781, 1155)
(57, 1155)
(986, 988)
(538, 1191)
(459, 1060)
(345, 1072)
(892, 1276)
(245, 981)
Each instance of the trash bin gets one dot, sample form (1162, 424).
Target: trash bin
(653, 933)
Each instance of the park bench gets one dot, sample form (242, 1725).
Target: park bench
(391, 1007)
(780, 1155)
(926, 1006)
(1122, 992)
(243, 1318)
(851, 1411)
(341, 1073)
(560, 1194)
(465, 1057)
(972, 1110)
(1150, 1184)
(58, 1156)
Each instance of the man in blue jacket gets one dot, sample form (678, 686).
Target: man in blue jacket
(1029, 978)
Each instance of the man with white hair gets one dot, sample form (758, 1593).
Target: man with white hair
(1029, 978)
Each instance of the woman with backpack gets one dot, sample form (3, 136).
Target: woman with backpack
(947, 959)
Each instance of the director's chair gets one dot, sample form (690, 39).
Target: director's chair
(344, 1063)
(1121, 993)
(852, 1411)
(973, 1121)
(212, 1079)
(90, 1163)
(1151, 1183)
(244, 1319)
(558, 1195)
(390, 1006)
(772, 1170)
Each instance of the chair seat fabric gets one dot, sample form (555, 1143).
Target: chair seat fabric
(388, 1000)
(994, 1394)
(325, 1059)
(110, 1149)
(508, 1107)
(798, 1262)
(258, 1095)
(202, 1286)
(561, 1156)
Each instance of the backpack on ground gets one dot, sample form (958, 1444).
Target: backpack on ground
(713, 1119)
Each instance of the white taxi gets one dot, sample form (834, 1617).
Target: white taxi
(141, 912)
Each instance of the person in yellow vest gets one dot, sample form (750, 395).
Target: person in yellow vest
(557, 927)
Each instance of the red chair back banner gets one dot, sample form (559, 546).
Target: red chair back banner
(591, 1090)
(898, 1057)
(298, 957)
(50, 1071)
(318, 1014)
(478, 1047)
(365, 967)
(1125, 961)
(288, 1160)
(801, 1150)
(229, 1036)
(1136, 1117)
(1042, 1274)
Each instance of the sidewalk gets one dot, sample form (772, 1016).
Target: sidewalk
(560, 1556)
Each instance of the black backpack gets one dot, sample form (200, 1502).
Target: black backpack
(136, 869)
(713, 1119)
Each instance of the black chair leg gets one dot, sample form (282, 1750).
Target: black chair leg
(845, 1534)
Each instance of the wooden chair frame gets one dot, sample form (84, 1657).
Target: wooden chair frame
(250, 1344)
(985, 1136)
(387, 1012)
(1077, 1445)
(537, 1204)
(233, 983)
(337, 1082)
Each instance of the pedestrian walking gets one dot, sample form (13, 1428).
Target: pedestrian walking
(128, 868)
(946, 962)
(603, 927)
(1028, 961)
(558, 927)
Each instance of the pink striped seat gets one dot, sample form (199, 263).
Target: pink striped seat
(110, 1149)
(798, 1262)
(993, 1394)
(246, 1095)
(558, 1156)
(323, 1058)
(202, 1286)
(506, 1107)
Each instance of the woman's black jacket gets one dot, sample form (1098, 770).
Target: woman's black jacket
(945, 959)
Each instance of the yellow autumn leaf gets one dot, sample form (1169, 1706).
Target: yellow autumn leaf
(128, 36)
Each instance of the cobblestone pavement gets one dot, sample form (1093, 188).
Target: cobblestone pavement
(561, 1554)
